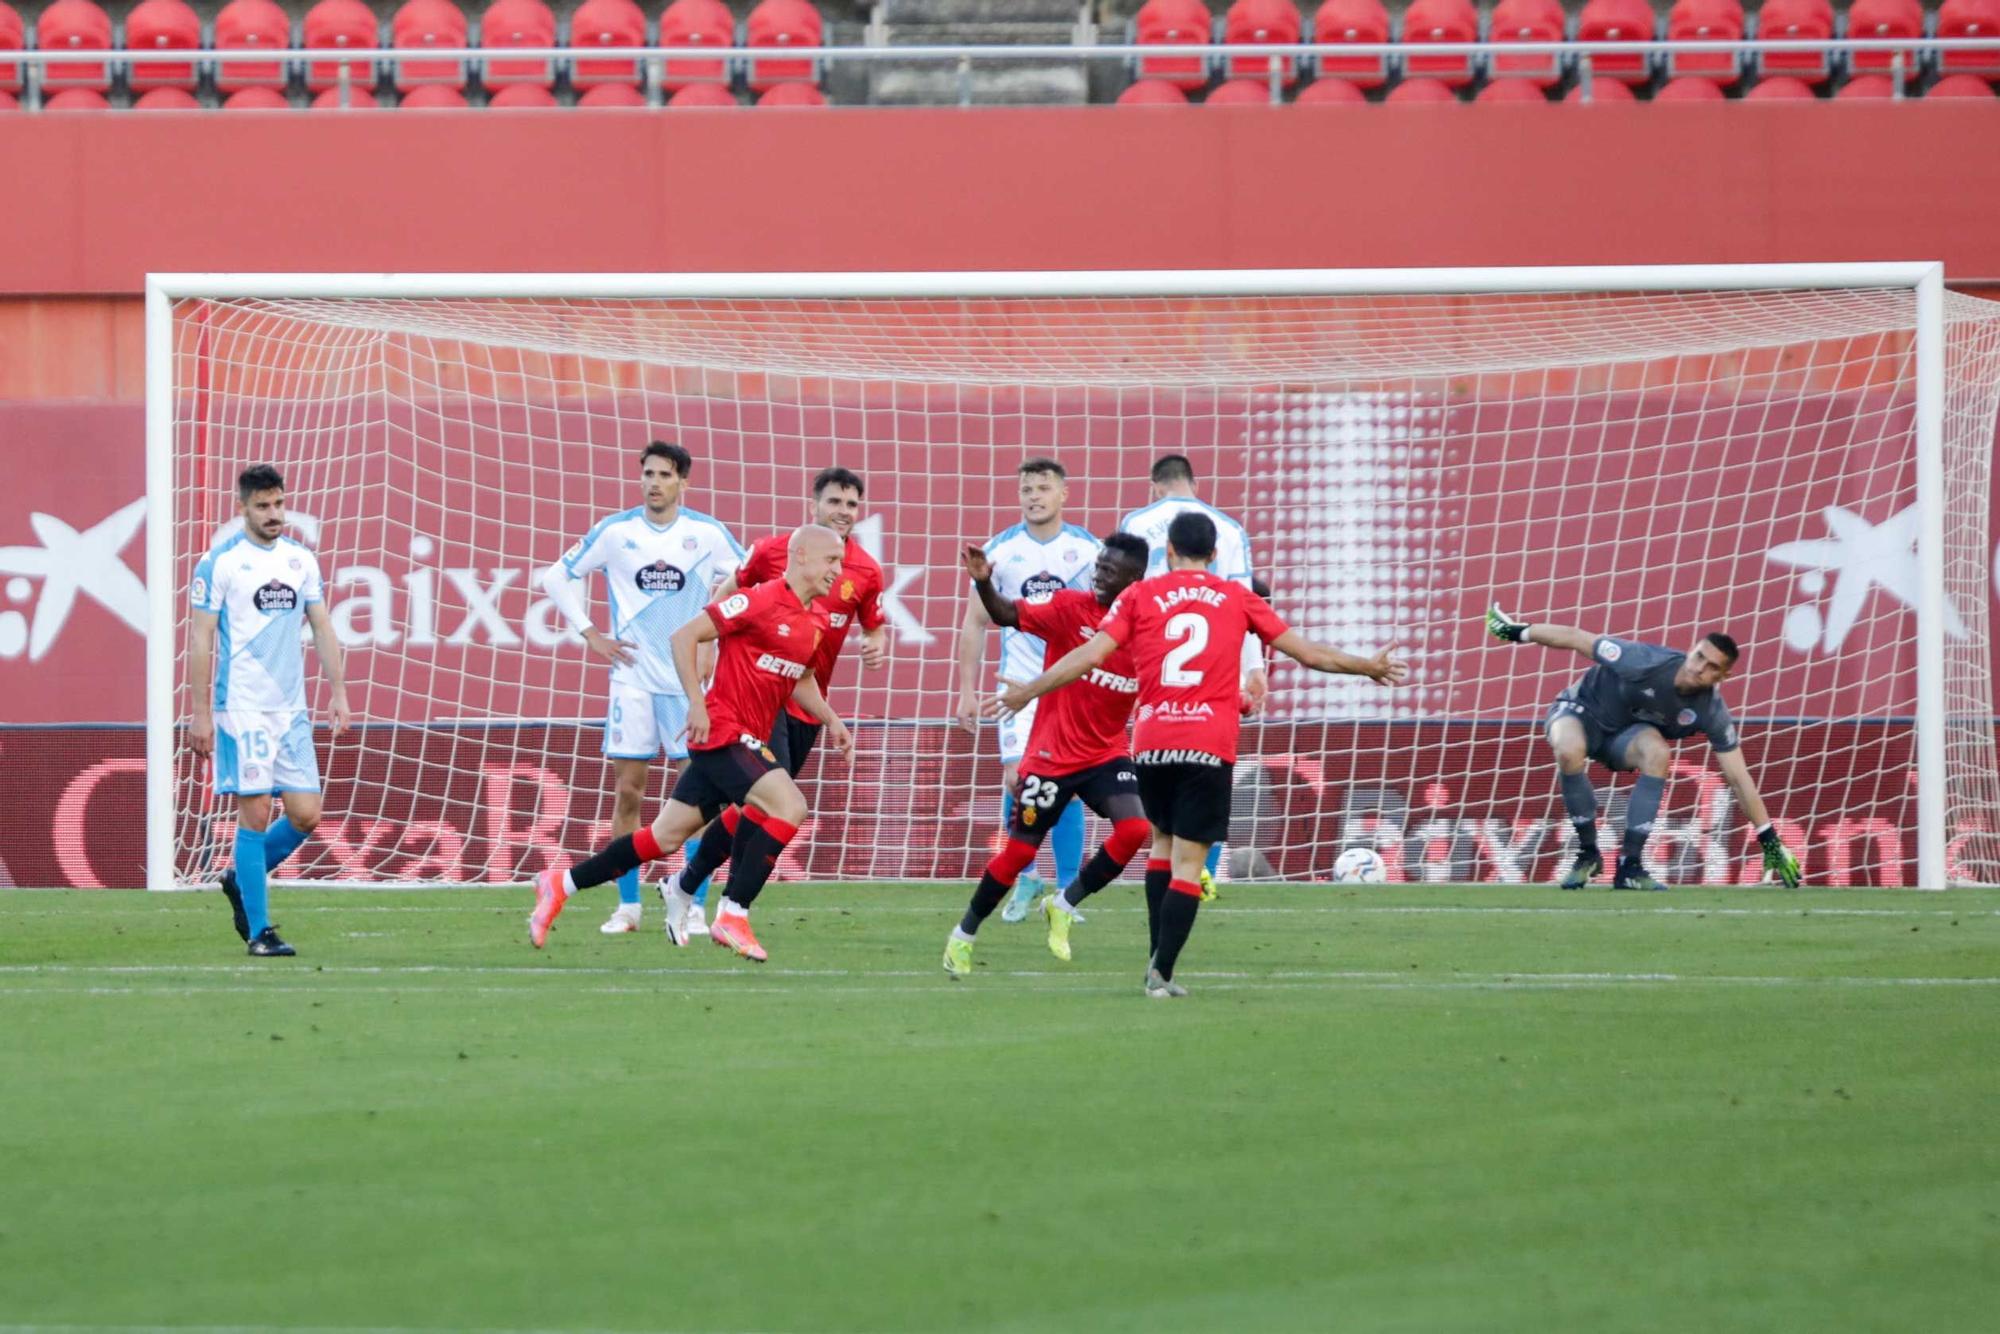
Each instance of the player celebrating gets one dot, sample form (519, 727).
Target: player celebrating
(1173, 496)
(659, 559)
(1185, 629)
(1040, 554)
(1636, 698)
(255, 586)
(856, 597)
(769, 635)
(1076, 748)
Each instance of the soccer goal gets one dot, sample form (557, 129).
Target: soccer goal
(1797, 455)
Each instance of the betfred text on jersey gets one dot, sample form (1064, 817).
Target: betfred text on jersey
(777, 666)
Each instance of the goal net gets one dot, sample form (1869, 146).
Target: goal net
(1647, 464)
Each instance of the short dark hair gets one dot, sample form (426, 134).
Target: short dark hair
(1043, 465)
(1173, 468)
(682, 460)
(837, 476)
(1724, 644)
(1131, 546)
(257, 477)
(1260, 587)
(1192, 534)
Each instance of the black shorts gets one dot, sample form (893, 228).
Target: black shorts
(792, 741)
(1111, 789)
(1606, 747)
(722, 776)
(1188, 799)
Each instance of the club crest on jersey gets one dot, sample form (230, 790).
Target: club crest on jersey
(1685, 717)
(1036, 585)
(689, 543)
(660, 577)
(276, 596)
(847, 590)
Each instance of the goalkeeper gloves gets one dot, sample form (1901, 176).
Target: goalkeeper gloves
(1502, 626)
(1778, 859)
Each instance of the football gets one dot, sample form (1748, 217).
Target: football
(1359, 866)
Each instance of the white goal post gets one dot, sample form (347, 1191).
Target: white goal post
(1391, 438)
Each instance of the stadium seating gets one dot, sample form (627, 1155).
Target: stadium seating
(1153, 93)
(13, 37)
(77, 99)
(1961, 85)
(162, 25)
(1780, 88)
(1883, 19)
(808, 95)
(1358, 21)
(517, 23)
(248, 24)
(332, 24)
(1513, 90)
(1421, 90)
(1240, 93)
(1526, 21)
(9, 102)
(1691, 88)
(1710, 20)
(167, 99)
(606, 23)
(75, 25)
(1262, 21)
(1968, 18)
(428, 23)
(1439, 21)
(702, 95)
(777, 24)
(1618, 21)
(1603, 90)
(270, 99)
(1173, 23)
(1331, 92)
(433, 97)
(1796, 21)
(1867, 86)
(522, 95)
(612, 95)
(359, 98)
(699, 23)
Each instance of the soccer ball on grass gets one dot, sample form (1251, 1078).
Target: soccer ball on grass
(1359, 866)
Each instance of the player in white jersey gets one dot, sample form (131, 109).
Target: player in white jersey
(1173, 496)
(660, 561)
(1040, 554)
(247, 673)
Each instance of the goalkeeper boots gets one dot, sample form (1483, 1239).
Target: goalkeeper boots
(235, 897)
(1060, 920)
(1631, 875)
(957, 958)
(732, 930)
(1026, 890)
(548, 906)
(1586, 866)
(1162, 988)
(268, 946)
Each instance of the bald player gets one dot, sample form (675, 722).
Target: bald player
(768, 636)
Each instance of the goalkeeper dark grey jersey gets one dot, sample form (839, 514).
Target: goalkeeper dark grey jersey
(1634, 683)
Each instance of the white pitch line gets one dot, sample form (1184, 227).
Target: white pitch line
(1226, 910)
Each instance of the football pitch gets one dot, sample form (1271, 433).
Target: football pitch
(1407, 1109)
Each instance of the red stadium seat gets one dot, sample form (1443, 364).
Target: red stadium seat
(612, 95)
(1618, 21)
(249, 24)
(162, 25)
(1331, 92)
(1421, 90)
(433, 97)
(1961, 85)
(1526, 21)
(359, 98)
(606, 23)
(782, 23)
(332, 24)
(1173, 23)
(167, 99)
(432, 23)
(703, 23)
(1711, 20)
(9, 102)
(1262, 21)
(1603, 90)
(800, 95)
(516, 95)
(75, 25)
(1780, 88)
(1240, 93)
(1968, 18)
(1153, 93)
(1865, 87)
(264, 99)
(13, 37)
(702, 95)
(77, 99)
(1691, 89)
(1439, 21)
(1883, 19)
(517, 23)
(1513, 90)
(1796, 21)
(1359, 22)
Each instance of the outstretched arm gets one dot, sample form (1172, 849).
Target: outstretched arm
(1502, 626)
(1778, 859)
(1070, 667)
(1384, 667)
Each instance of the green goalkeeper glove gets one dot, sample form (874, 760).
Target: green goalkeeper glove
(1778, 859)
(1502, 626)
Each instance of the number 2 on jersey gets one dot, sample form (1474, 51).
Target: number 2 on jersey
(1192, 627)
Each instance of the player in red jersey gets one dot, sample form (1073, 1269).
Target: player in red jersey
(1076, 747)
(1186, 629)
(856, 598)
(769, 636)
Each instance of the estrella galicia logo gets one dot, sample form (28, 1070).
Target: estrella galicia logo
(1035, 585)
(660, 577)
(276, 596)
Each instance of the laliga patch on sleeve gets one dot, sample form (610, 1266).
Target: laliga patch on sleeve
(735, 605)
(199, 590)
(1608, 650)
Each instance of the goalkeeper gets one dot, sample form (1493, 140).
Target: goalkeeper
(1636, 699)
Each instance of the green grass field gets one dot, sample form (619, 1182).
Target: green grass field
(1408, 1109)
